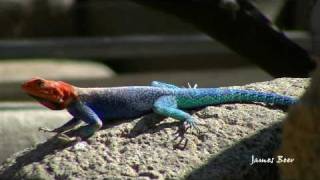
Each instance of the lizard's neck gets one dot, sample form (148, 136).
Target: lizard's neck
(69, 94)
(65, 93)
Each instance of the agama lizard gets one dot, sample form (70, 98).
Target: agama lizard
(95, 106)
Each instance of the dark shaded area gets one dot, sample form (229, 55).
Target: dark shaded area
(285, 21)
(234, 163)
(40, 20)
(178, 62)
(80, 17)
(249, 34)
(149, 123)
(246, 32)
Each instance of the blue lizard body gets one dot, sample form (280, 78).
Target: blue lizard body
(135, 101)
(96, 106)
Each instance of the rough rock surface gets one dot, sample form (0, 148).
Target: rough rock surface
(146, 148)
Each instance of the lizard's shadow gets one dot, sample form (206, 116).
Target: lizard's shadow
(152, 123)
(284, 108)
(147, 124)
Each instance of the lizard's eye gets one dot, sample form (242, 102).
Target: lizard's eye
(40, 83)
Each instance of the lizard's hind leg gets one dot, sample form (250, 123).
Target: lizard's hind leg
(167, 85)
(163, 85)
(167, 106)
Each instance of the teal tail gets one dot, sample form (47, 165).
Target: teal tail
(191, 98)
(255, 96)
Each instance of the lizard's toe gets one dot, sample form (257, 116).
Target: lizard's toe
(192, 124)
(44, 129)
(67, 139)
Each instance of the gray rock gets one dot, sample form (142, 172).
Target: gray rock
(146, 148)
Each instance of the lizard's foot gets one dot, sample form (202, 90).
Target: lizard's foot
(87, 131)
(189, 124)
(185, 126)
(67, 139)
(44, 129)
(61, 136)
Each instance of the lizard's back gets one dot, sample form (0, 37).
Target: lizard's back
(122, 102)
(134, 101)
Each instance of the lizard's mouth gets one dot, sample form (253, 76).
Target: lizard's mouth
(49, 104)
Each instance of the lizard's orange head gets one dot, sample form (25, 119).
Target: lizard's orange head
(55, 95)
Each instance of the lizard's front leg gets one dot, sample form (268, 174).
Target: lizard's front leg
(60, 130)
(65, 127)
(81, 111)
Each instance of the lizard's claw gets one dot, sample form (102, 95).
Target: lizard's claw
(185, 126)
(192, 124)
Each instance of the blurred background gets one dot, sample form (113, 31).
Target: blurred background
(115, 43)
(132, 43)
